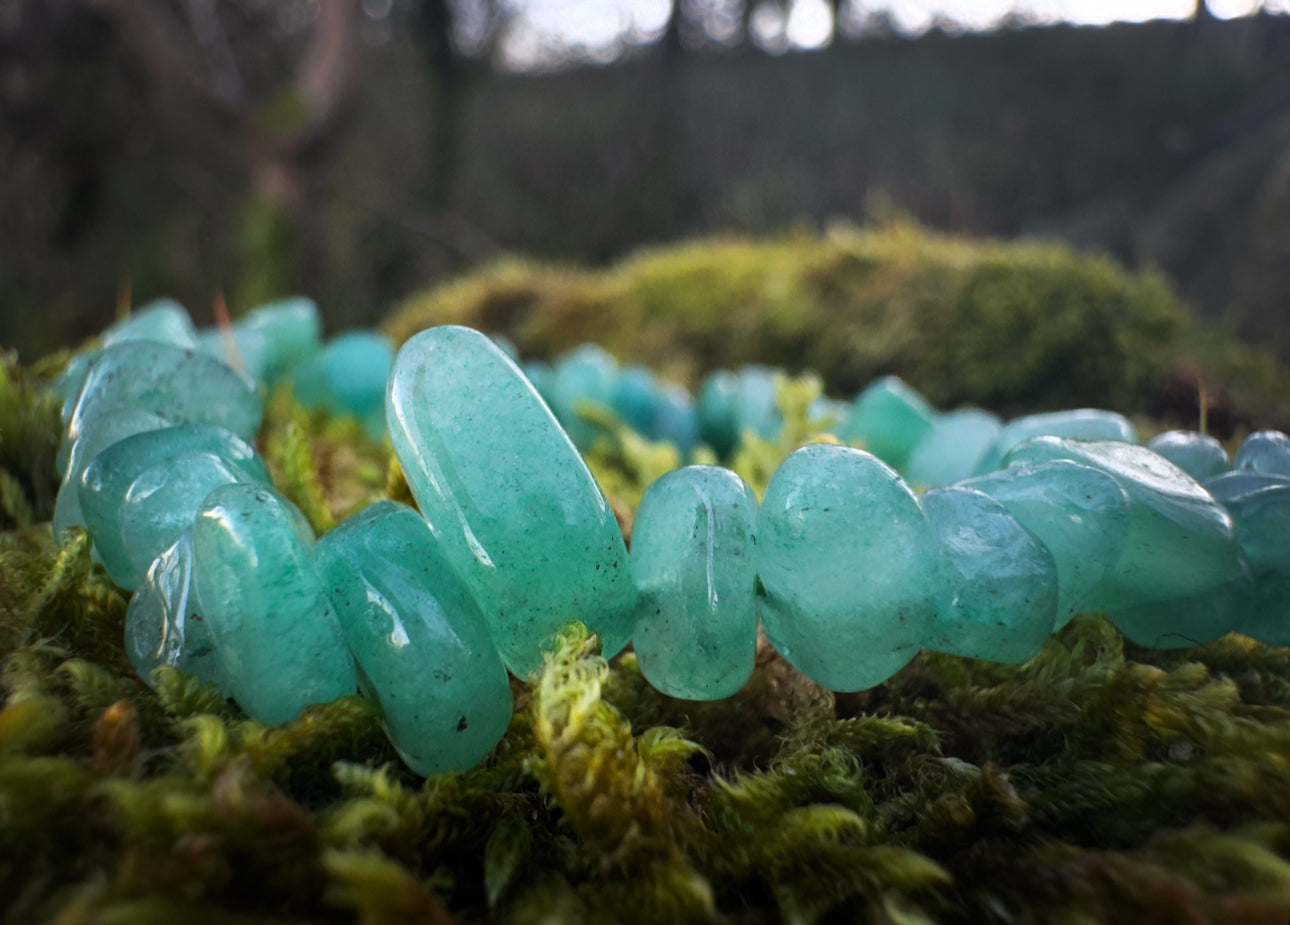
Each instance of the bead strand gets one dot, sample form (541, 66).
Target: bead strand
(847, 568)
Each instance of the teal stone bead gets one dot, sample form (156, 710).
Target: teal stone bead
(1181, 541)
(890, 418)
(96, 436)
(849, 566)
(636, 399)
(167, 501)
(826, 414)
(1199, 455)
(164, 624)
(1080, 514)
(1267, 451)
(139, 494)
(1260, 507)
(357, 365)
(583, 377)
(67, 386)
(953, 447)
(675, 420)
(291, 330)
(1189, 620)
(423, 648)
(277, 642)
(515, 508)
(1079, 424)
(309, 382)
(162, 320)
(1000, 599)
(693, 546)
(717, 411)
(248, 351)
(178, 385)
(758, 402)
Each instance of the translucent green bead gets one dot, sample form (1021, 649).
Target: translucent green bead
(1079, 513)
(585, 376)
(292, 331)
(1079, 424)
(277, 642)
(1000, 599)
(1199, 455)
(513, 505)
(96, 436)
(849, 566)
(952, 448)
(890, 418)
(421, 643)
(140, 493)
(1267, 451)
(1189, 620)
(1180, 544)
(1260, 507)
(164, 624)
(693, 545)
(161, 320)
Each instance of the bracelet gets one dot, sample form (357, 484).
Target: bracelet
(847, 569)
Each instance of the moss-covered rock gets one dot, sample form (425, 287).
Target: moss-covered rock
(1003, 326)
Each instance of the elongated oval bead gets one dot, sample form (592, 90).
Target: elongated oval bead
(952, 448)
(140, 493)
(890, 418)
(164, 624)
(421, 643)
(1260, 507)
(1079, 424)
(1199, 455)
(512, 503)
(1267, 451)
(1079, 513)
(278, 645)
(693, 545)
(849, 567)
(1000, 597)
(1180, 543)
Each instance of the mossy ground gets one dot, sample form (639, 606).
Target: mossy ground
(1096, 783)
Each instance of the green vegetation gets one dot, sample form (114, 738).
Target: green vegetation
(1009, 327)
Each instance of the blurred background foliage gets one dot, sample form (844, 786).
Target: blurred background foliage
(191, 147)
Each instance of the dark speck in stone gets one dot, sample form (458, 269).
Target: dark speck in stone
(461, 724)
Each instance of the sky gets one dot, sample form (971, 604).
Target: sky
(600, 29)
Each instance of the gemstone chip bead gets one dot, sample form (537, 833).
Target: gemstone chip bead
(693, 544)
(849, 566)
(514, 507)
(423, 648)
(277, 642)
(1000, 595)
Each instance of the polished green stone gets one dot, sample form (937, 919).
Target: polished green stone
(693, 546)
(850, 569)
(423, 648)
(140, 493)
(1079, 513)
(1079, 424)
(731, 403)
(636, 399)
(162, 320)
(515, 508)
(1267, 451)
(181, 386)
(164, 624)
(1189, 620)
(1260, 507)
(277, 642)
(675, 420)
(96, 436)
(1199, 455)
(585, 377)
(1181, 542)
(952, 448)
(292, 331)
(247, 352)
(890, 419)
(1000, 598)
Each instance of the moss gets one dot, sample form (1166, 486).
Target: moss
(1097, 782)
(1009, 327)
